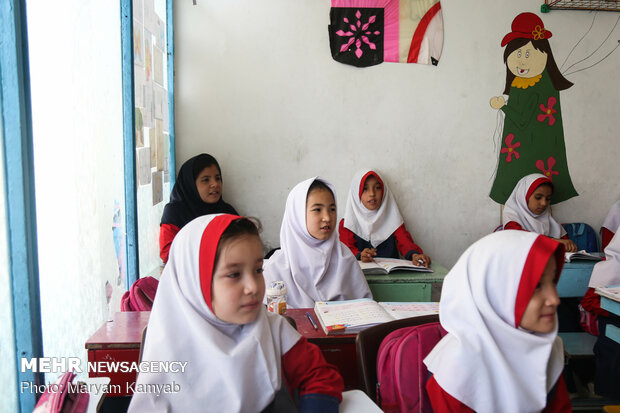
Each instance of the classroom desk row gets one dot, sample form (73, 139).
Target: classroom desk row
(119, 340)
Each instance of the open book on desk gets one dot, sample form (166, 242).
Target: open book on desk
(387, 265)
(612, 292)
(581, 255)
(353, 316)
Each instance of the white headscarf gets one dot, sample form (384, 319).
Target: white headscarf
(486, 361)
(516, 208)
(607, 273)
(230, 367)
(373, 226)
(313, 270)
(612, 221)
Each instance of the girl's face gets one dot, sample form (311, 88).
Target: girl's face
(209, 184)
(320, 214)
(540, 199)
(526, 61)
(238, 284)
(372, 194)
(540, 313)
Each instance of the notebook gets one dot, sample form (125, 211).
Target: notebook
(387, 265)
(353, 316)
(581, 255)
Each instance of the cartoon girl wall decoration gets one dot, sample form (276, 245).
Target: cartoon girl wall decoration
(533, 136)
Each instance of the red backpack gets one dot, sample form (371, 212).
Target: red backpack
(64, 396)
(401, 373)
(140, 296)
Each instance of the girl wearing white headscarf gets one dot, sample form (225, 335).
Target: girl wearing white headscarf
(605, 273)
(610, 225)
(372, 224)
(208, 312)
(527, 208)
(314, 267)
(501, 353)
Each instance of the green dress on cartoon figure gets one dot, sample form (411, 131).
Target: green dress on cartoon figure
(533, 135)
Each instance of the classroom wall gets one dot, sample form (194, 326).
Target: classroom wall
(256, 87)
(8, 381)
(75, 66)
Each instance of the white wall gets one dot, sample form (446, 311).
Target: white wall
(75, 65)
(256, 87)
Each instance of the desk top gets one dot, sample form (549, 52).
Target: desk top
(305, 328)
(125, 331)
(403, 276)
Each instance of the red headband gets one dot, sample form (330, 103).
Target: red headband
(363, 181)
(208, 248)
(538, 182)
(542, 249)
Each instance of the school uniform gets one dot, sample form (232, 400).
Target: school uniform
(606, 351)
(487, 362)
(185, 202)
(517, 215)
(230, 367)
(382, 229)
(312, 270)
(610, 225)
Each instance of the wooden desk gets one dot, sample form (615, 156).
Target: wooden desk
(408, 285)
(118, 340)
(338, 350)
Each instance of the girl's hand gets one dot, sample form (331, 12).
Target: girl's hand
(497, 102)
(421, 260)
(367, 254)
(569, 245)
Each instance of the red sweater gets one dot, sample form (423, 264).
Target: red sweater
(444, 402)
(404, 241)
(305, 368)
(606, 236)
(167, 232)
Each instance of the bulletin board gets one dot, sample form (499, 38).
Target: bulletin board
(149, 129)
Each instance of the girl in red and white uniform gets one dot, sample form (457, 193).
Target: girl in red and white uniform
(502, 352)
(605, 273)
(312, 262)
(372, 225)
(527, 209)
(209, 312)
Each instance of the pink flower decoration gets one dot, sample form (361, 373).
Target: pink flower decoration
(548, 172)
(510, 148)
(548, 111)
(359, 33)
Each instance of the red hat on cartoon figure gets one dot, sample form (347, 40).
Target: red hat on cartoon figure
(526, 26)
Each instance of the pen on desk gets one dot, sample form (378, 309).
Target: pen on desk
(311, 320)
